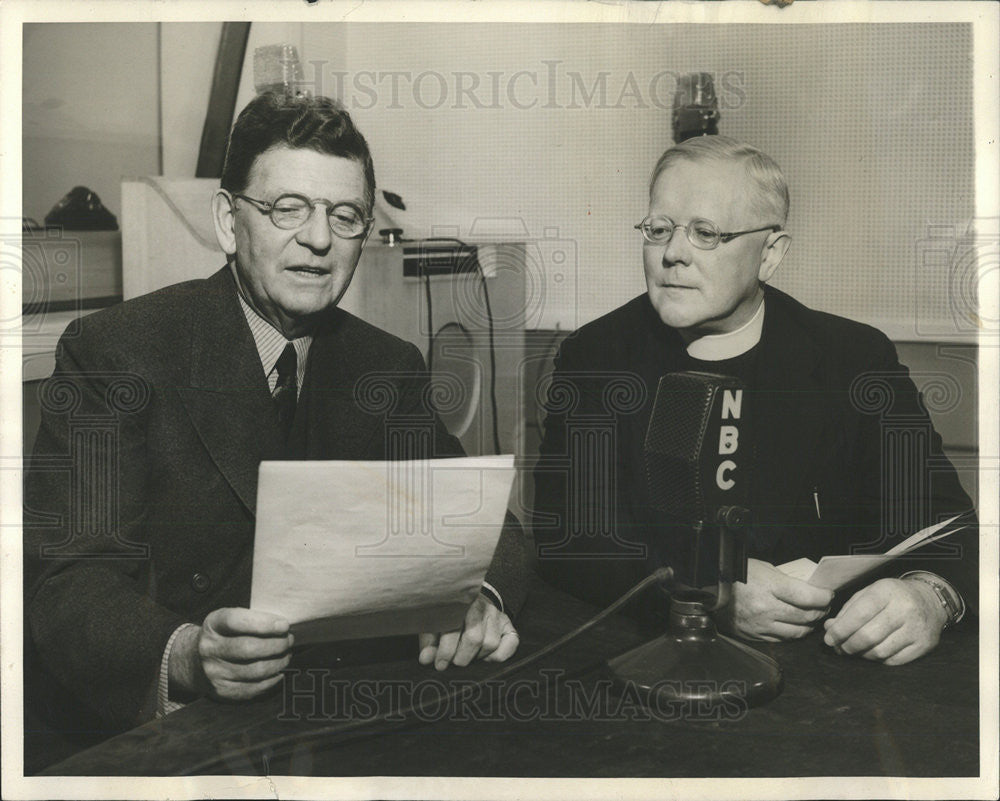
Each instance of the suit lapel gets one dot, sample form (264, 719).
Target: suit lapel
(226, 396)
(791, 413)
(661, 352)
(329, 423)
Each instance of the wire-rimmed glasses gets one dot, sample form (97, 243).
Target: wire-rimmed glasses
(291, 211)
(703, 234)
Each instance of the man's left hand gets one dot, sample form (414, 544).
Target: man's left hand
(891, 621)
(487, 634)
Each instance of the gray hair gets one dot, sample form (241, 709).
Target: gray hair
(760, 168)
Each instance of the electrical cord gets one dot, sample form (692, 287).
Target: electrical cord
(430, 324)
(357, 726)
(489, 321)
(493, 360)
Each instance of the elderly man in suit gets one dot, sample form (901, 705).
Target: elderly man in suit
(138, 561)
(824, 402)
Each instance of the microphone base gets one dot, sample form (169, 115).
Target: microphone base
(694, 667)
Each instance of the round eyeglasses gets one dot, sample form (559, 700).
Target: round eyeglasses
(703, 234)
(292, 211)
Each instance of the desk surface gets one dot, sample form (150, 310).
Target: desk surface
(836, 716)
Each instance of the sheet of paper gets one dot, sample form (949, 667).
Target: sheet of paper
(801, 569)
(834, 572)
(922, 537)
(348, 550)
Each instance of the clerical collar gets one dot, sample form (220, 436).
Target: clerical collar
(716, 347)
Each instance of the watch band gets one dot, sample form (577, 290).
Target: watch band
(955, 609)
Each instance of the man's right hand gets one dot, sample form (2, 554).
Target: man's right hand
(773, 606)
(234, 655)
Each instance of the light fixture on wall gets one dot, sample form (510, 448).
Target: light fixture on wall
(696, 107)
(276, 68)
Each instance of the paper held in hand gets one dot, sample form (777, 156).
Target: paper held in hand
(348, 550)
(834, 572)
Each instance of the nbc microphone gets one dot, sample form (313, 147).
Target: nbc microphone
(697, 469)
(698, 481)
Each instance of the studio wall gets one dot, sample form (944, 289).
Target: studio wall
(554, 129)
(90, 110)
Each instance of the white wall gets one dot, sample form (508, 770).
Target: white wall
(571, 179)
(90, 110)
(187, 63)
(872, 125)
(187, 60)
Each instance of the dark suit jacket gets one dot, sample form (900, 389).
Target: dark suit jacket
(831, 411)
(140, 498)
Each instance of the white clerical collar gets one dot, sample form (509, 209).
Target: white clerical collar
(716, 347)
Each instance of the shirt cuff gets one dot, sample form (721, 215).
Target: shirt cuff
(951, 599)
(164, 706)
(492, 595)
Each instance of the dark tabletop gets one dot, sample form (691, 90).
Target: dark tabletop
(836, 716)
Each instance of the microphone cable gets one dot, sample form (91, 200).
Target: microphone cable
(357, 726)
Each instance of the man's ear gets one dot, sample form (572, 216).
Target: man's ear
(774, 250)
(225, 221)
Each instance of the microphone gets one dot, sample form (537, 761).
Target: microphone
(698, 485)
(698, 479)
(696, 107)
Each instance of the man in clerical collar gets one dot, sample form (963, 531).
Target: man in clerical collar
(713, 237)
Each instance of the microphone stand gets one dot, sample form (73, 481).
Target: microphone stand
(692, 664)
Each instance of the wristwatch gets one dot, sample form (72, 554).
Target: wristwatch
(949, 598)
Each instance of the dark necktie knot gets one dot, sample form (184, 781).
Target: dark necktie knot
(286, 388)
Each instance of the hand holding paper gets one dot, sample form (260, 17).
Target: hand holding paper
(235, 654)
(891, 621)
(347, 550)
(834, 572)
(773, 606)
(487, 634)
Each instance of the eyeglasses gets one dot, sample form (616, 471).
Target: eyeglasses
(292, 211)
(703, 234)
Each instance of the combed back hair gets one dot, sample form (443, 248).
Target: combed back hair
(274, 120)
(772, 199)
